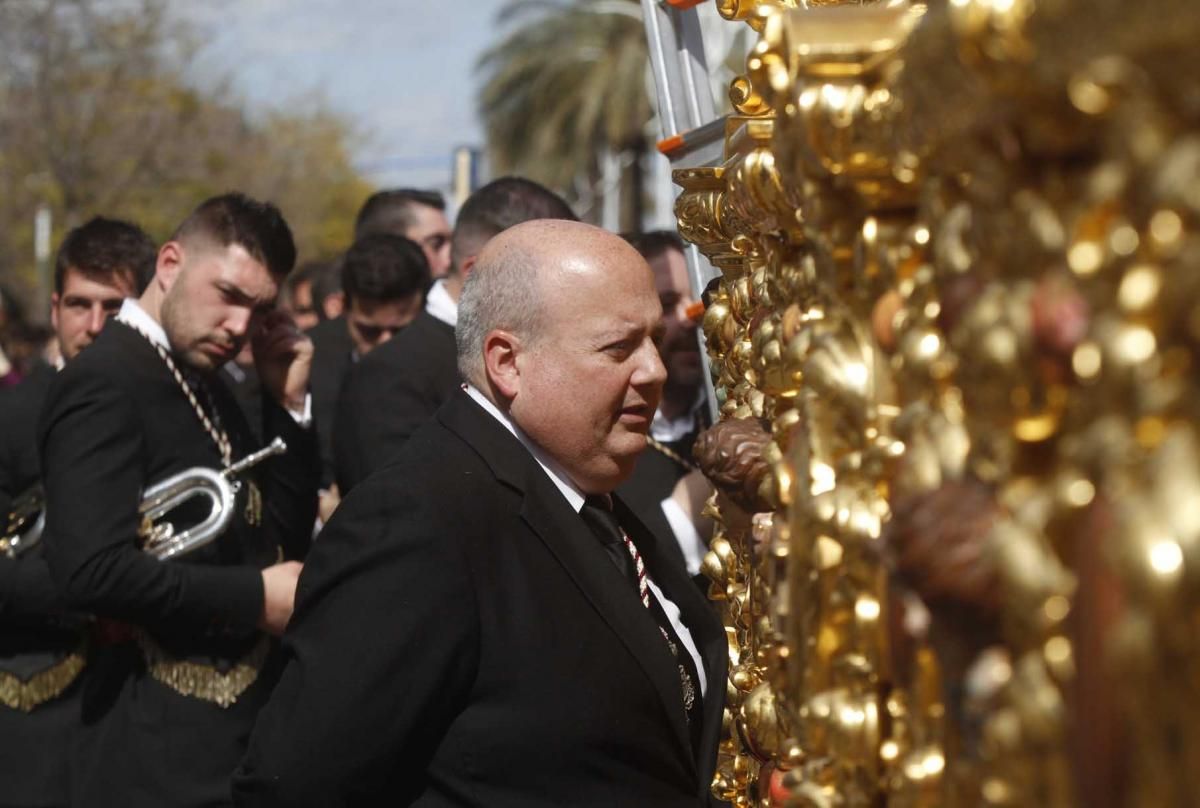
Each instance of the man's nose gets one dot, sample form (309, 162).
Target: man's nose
(681, 311)
(96, 317)
(238, 322)
(650, 369)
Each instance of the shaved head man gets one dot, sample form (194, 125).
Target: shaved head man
(547, 340)
(524, 639)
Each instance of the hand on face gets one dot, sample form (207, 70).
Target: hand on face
(283, 357)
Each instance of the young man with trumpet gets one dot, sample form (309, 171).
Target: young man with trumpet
(181, 656)
(99, 264)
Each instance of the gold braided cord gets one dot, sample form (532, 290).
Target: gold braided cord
(670, 453)
(218, 435)
(25, 695)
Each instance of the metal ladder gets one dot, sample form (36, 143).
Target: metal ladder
(692, 134)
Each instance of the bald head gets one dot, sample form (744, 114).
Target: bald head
(527, 269)
(557, 325)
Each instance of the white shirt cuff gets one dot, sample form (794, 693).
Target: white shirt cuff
(303, 417)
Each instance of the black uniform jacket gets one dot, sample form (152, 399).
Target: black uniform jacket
(653, 479)
(115, 422)
(390, 394)
(26, 589)
(462, 639)
(36, 635)
(332, 360)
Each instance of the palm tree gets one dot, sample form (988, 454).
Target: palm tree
(567, 91)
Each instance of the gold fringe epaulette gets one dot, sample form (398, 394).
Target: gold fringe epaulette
(19, 694)
(204, 681)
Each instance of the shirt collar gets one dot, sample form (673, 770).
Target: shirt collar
(134, 316)
(556, 473)
(669, 430)
(439, 304)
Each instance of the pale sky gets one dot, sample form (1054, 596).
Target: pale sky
(401, 71)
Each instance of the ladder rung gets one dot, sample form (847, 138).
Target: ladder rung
(676, 146)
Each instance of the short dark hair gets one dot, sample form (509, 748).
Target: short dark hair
(102, 250)
(499, 205)
(257, 227)
(305, 273)
(326, 282)
(654, 243)
(384, 267)
(392, 211)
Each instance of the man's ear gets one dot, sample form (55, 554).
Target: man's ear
(168, 265)
(54, 298)
(500, 352)
(467, 265)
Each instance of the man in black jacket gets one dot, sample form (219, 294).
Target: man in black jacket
(416, 214)
(666, 489)
(384, 278)
(98, 265)
(483, 624)
(399, 387)
(181, 657)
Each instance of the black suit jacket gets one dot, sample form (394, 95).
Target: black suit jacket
(653, 479)
(462, 639)
(332, 359)
(390, 394)
(34, 633)
(115, 422)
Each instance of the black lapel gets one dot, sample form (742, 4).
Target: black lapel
(567, 537)
(698, 615)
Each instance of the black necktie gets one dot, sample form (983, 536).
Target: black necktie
(598, 514)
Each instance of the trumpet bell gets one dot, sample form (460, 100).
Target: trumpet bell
(161, 539)
(26, 520)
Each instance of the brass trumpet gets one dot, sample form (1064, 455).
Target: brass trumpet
(27, 515)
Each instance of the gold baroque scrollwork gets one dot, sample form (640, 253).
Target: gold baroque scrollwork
(958, 248)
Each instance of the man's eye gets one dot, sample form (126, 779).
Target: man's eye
(618, 349)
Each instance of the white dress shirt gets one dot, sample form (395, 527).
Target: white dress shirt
(667, 430)
(439, 304)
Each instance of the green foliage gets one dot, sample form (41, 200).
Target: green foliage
(96, 117)
(567, 84)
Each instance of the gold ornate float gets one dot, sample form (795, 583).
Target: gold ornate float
(956, 345)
